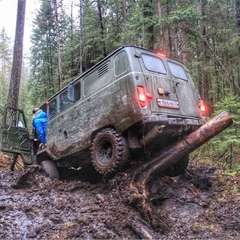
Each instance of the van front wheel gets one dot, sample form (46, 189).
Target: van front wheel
(109, 151)
(50, 168)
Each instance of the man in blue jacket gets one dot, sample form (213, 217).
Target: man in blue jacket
(39, 122)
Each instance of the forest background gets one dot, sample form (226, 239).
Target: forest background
(203, 34)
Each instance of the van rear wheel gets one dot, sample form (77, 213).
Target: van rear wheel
(109, 151)
(50, 168)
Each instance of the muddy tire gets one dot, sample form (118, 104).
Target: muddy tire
(50, 168)
(178, 168)
(109, 152)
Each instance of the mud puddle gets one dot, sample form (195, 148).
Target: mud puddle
(201, 204)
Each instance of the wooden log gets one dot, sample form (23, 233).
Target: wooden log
(170, 155)
(141, 229)
(133, 188)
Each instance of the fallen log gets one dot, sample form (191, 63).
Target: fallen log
(168, 157)
(141, 229)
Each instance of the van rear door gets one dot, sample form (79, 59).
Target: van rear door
(15, 135)
(169, 84)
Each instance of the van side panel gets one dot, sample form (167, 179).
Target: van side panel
(114, 104)
(110, 96)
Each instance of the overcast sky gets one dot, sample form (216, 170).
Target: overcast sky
(8, 15)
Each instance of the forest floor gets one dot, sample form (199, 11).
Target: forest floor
(201, 204)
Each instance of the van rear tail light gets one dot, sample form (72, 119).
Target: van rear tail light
(142, 97)
(202, 107)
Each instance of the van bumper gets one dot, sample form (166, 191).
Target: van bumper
(170, 120)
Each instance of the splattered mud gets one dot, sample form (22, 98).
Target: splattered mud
(200, 204)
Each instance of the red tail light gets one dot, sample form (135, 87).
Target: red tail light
(161, 54)
(142, 98)
(201, 106)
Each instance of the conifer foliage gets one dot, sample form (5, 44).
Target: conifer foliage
(202, 34)
(69, 37)
(5, 68)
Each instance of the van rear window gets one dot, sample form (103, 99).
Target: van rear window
(177, 70)
(154, 64)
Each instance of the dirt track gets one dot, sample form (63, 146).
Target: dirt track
(201, 204)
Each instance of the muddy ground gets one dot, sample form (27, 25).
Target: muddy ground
(201, 204)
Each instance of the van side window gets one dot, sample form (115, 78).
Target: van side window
(52, 108)
(77, 91)
(154, 64)
(97, 79)
(177, 70)
(121, 63)
(64, 101)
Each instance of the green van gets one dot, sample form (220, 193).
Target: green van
(125, 109)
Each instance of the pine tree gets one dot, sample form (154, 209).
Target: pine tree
(14, 86)
(5, 68)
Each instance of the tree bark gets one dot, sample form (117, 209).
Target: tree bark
(142, 229)
(14, 86)
(124, 11)
(170, 47)
(58, 44)
(99, 7)
(135, 190)
(81, 44)
(170, 155)
(237, 4)
(17, 56)
(148, 13)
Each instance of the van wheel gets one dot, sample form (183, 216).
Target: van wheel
(178, 168)
(50, 168)
(109, 151)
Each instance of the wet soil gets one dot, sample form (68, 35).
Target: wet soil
(203, 203)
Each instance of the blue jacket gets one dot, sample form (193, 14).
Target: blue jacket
(40, 121)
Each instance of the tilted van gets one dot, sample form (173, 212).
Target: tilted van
(125, 109)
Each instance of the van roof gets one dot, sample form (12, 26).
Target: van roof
(101, 61)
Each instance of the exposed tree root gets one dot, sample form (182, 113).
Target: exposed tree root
(132, 185)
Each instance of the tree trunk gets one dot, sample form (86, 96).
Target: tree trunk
(14, 86)
(205, 82)
(58, 44)
(81, 35)
(148, 13)
(169, 38)
(17, 56)
(237, 4)
(172, 154)
(124, 11)
(99, 7)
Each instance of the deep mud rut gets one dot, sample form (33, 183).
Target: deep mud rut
(201, 204)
